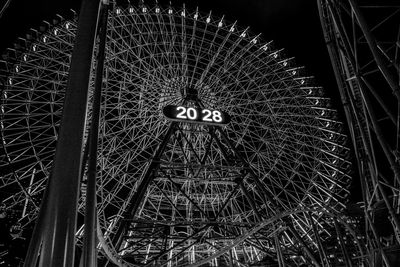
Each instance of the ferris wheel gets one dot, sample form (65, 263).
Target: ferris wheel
(214, 147)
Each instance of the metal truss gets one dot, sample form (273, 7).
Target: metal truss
(268, 188)
(363, 43)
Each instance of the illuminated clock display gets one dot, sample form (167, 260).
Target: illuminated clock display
(195, 115)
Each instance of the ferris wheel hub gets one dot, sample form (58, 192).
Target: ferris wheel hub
(191, 94)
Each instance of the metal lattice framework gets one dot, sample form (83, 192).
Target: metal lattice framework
(363, 42)
(269, 185)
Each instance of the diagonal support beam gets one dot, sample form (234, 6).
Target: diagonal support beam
(148, 177)
(259, 184)
(239, 182)
(181, 242)
(303, 244)
(179, 188)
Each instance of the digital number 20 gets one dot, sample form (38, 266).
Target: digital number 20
(189, 113)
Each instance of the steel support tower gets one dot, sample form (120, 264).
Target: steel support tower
(362, 38)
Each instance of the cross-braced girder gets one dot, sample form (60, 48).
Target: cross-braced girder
(362, 39)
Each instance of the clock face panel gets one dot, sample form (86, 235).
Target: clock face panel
(196, 115)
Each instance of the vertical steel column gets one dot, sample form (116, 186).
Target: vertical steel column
(89, 246)
(54, 237)
(304, 245)
(378, 243)
(230, 258)
(281, 259)
(374, 50)
(321, 248)
(36, 238)
(342, 245)
(389, 155)
(333, 37)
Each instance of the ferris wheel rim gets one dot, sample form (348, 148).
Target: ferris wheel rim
(235, 110)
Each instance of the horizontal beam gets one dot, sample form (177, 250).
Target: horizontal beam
(188, 222)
